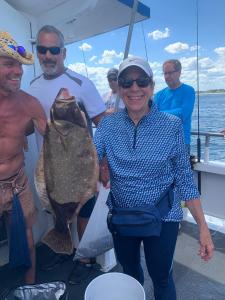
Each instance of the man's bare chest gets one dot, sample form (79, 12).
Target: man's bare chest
(13, 119)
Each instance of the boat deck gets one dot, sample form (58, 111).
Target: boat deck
(195, 279)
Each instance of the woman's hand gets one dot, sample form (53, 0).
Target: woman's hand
(206, 244)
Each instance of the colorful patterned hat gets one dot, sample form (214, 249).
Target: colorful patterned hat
(10, 48)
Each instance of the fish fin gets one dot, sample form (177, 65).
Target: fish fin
(59, 242)
(39, 181)
(84, 117)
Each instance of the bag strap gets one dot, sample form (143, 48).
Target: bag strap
(112, 198)
(164, 203)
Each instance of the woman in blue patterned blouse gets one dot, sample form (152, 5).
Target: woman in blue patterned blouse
(146, 154)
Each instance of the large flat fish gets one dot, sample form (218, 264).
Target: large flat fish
(67, 171)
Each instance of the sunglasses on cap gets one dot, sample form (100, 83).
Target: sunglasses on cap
(53, 50)
(142, 82)
(19, 49)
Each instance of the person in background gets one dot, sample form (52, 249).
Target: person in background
(17, 111)
(178, 98)
(112, 99)
(51, 53)
(146, 153)
(113, 104)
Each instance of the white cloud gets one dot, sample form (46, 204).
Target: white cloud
(220, 51)
(155, 65)
(188, 63)
(85, 47)
(109, 55)
(211, 72)
(176, 47)
(158, 35)
(194, 48)
(206, 63)
(78, 67)
(94, 57)
(97, 74)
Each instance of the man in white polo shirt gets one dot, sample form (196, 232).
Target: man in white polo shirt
(51, 54)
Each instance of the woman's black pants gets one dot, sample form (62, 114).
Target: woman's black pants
(159, 253)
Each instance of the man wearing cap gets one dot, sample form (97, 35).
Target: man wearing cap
(147, 161)
(51, 54)
(178, 98)
(17, 111)
(112, 99)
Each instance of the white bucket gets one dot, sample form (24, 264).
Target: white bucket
(114, 286)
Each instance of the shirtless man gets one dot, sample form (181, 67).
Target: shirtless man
(17, 111)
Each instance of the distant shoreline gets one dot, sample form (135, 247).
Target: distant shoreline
(216, 91)
(211, 93)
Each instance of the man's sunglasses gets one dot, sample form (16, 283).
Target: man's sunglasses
(53, 50)
(169, 73)
(142, 82)
(110, 79)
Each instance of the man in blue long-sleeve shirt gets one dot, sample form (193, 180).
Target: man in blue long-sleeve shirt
(178, 98)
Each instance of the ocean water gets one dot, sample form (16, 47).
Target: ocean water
(212, 119)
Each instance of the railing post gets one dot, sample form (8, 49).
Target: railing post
(207, 136)
(207, 140)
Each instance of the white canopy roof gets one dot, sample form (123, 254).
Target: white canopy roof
(80, 19)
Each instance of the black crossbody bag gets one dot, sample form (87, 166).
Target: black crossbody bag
(142, 220)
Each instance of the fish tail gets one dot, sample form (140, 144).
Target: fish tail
(59, 242)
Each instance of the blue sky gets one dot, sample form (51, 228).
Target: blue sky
(169, 33)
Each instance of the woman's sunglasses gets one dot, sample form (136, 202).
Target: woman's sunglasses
(142, 82)
(53, 50)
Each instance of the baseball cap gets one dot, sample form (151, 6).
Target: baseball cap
(113, 72)
(135, 61)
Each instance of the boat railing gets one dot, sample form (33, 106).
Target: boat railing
(207, 136)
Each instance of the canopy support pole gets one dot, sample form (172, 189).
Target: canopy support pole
(131, 25)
